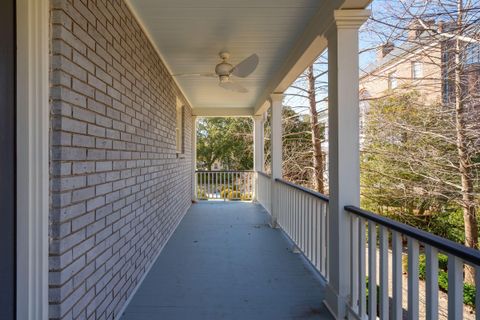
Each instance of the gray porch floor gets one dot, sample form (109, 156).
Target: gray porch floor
(225, 262)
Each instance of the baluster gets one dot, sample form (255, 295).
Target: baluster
(242, 184)
(294, 232)
(431, 293)
(322, 240)
(290, 214)
(208, 185)
(224, 185)
(455, 288)
(204, 190)
(298, 218)
(327, 232)
(307, 226)
(477, 292)
(302, 217)
(362, 287)
(372, 270)
(318, 242)
(354, 263)
(316, 231)
(239, 184)
(413, 295)
(397, 309)
(384, 273)
(310, 227)
(284, 208)
(230, 183)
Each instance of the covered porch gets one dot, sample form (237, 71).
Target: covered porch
(225, 262)
(106, 219)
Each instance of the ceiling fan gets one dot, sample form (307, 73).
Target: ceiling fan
(225, 70)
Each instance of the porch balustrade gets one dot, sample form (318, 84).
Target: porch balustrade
(375, 243)
(264, 190)
(224, 184)
(376, 238)
(303, 216)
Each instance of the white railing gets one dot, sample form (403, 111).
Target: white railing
(223, 184)
(264, 190)
(378, 232)
(303, 216)
(379, 250)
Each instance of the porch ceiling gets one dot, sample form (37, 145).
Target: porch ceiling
(190, 33)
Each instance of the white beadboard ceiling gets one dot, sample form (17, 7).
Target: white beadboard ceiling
(191, 33)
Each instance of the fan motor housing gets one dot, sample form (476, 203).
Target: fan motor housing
(223, 69)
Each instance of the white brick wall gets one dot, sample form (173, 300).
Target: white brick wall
(117, 186)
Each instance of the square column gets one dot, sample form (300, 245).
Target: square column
(258, 142)
(343, 142)
(276, 143)
(258, 149)
(194, 157)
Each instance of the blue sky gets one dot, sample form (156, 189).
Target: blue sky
(394, 16)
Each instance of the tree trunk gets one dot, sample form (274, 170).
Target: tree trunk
(316, 134)
(465, 169)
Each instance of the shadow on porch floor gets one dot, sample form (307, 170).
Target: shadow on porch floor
(225, 262)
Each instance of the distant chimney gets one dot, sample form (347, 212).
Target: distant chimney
(384, 50)
(443, 26)
(415, 28)
(440, 27)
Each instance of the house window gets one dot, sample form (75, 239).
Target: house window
(472, 53)
(179, 127)
(392, 80)
(417, 70)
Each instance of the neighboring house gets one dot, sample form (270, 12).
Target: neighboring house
(425, 63)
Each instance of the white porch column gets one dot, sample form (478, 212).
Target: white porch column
(194, 157)
(258, 142)
(276, 145)
(343, 142)
(258, 146)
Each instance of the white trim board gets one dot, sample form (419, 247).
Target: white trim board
(223, 112)
(32, 158)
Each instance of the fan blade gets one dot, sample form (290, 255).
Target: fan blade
(246, 67)
(232, 86)
(208, 75)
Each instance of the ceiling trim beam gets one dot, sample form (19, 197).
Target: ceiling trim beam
(223, 112)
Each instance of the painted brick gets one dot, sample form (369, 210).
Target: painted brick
(117, 186)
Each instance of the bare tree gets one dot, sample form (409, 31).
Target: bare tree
(444, 35)
(307, 96)
(468, 202)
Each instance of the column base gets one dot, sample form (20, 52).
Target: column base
(336, 304)
(273, 223)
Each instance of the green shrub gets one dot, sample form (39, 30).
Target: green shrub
(468, 289)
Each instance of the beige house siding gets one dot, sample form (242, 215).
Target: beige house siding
(429, 86)
(118, 188)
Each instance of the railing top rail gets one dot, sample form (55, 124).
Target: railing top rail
(306, 190)
(227, 171)
(467, 254)
(264, 174)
